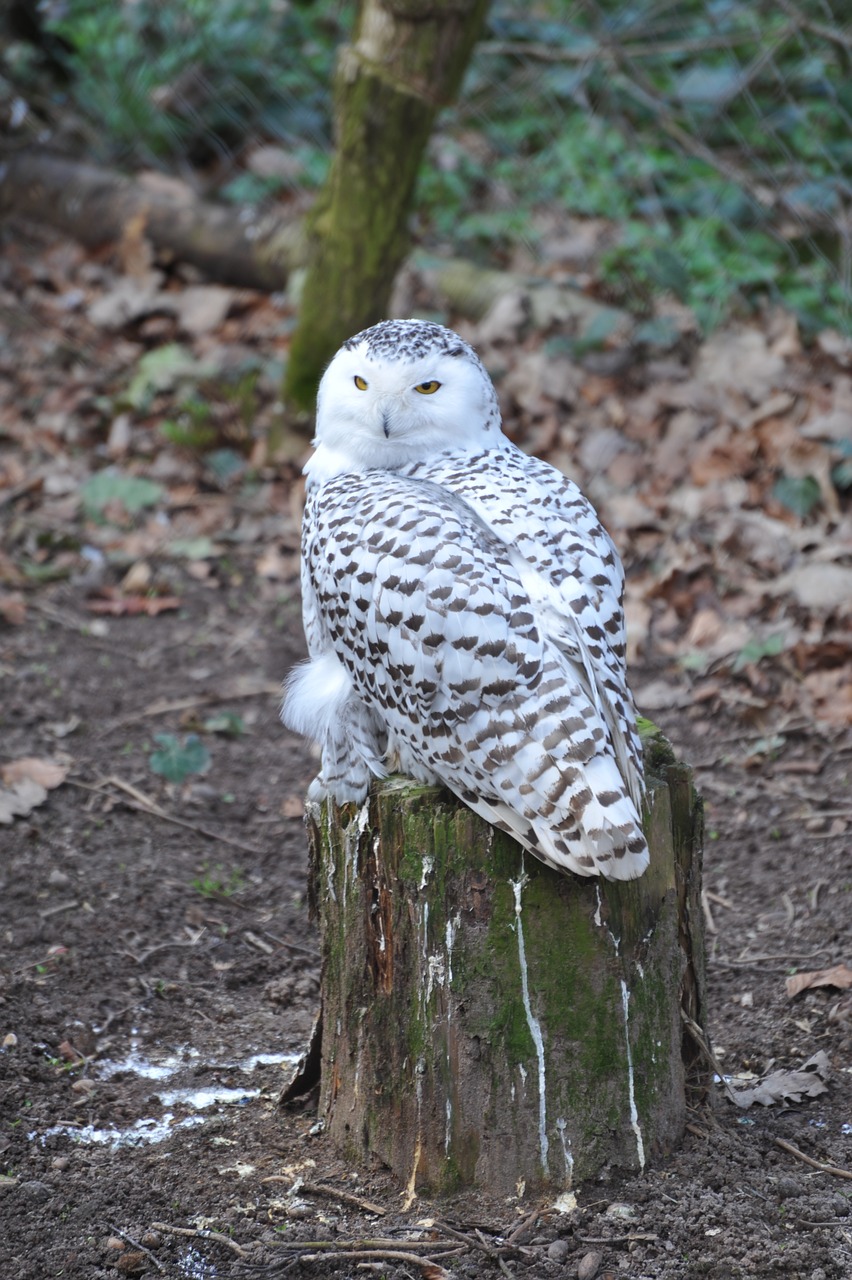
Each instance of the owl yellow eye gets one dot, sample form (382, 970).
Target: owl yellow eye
(427, 388)
(359, 382)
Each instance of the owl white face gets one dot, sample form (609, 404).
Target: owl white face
(401, 392)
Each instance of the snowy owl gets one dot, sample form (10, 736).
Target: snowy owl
(463, 609)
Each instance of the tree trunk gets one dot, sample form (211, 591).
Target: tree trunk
(405, 62)
(488, 1021)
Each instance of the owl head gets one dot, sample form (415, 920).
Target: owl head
(402, 392)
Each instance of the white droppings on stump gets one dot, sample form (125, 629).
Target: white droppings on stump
(634, 1114)
(532, 1022)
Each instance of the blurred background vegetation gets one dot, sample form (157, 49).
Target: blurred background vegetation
(700, 151)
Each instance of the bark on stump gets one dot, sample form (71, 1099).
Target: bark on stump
(488, 1021)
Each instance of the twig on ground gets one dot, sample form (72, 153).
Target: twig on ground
(815, 1164)
(114, 1017)
(749, 962)
(313, 952)
(709, 922)
(719, 900)
(369, 1242)
(431, 1269)
(634, 1235)
(333, 1193)
(80, 626)
(167, 706)
(475, 1242)
(698, 1036)
(201, 1233)
(138, 800)
(258, 943)
(58, 909)
(526, 1224)
(165, 946)
(136, 1245)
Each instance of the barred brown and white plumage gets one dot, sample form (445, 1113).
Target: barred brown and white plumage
(462, 605)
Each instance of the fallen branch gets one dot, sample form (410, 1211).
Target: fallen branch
(201, 1233)
(238, 246)
(815, 1164)
(360, 1245)
(432, 1270)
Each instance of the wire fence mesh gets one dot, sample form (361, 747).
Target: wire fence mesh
(699, 150)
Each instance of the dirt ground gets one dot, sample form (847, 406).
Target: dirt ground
(158, 971)
(131, 944)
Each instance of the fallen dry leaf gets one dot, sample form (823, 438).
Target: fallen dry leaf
(292, 807)
(839, 976)
(787, 1086)
(13, 608)
(130, 606)
(27, 782)
(742, 359)
(47, 773)
(818, 586)
(21, 799)
(138, 578)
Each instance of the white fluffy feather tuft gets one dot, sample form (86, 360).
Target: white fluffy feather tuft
(315, 694)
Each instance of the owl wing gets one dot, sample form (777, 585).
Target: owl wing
(426, 612)
(569, 566)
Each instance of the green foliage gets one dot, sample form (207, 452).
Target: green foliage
(111, 488)
(175, 760)
(193, 429)
(716, 137)
(217, 882)
(228, 723)
(162, 369)
(756, 649)
(799, 494)
(841, 473)
(158, 81)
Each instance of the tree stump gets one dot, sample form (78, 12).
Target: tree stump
(489, 1022)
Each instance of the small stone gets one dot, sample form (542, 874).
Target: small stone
(619, 1210)
(60, 1163)
(558, 1251)
(589, 1265)
(36, 1191)
(115, 1243)
(10, 1041)
(58, 879)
